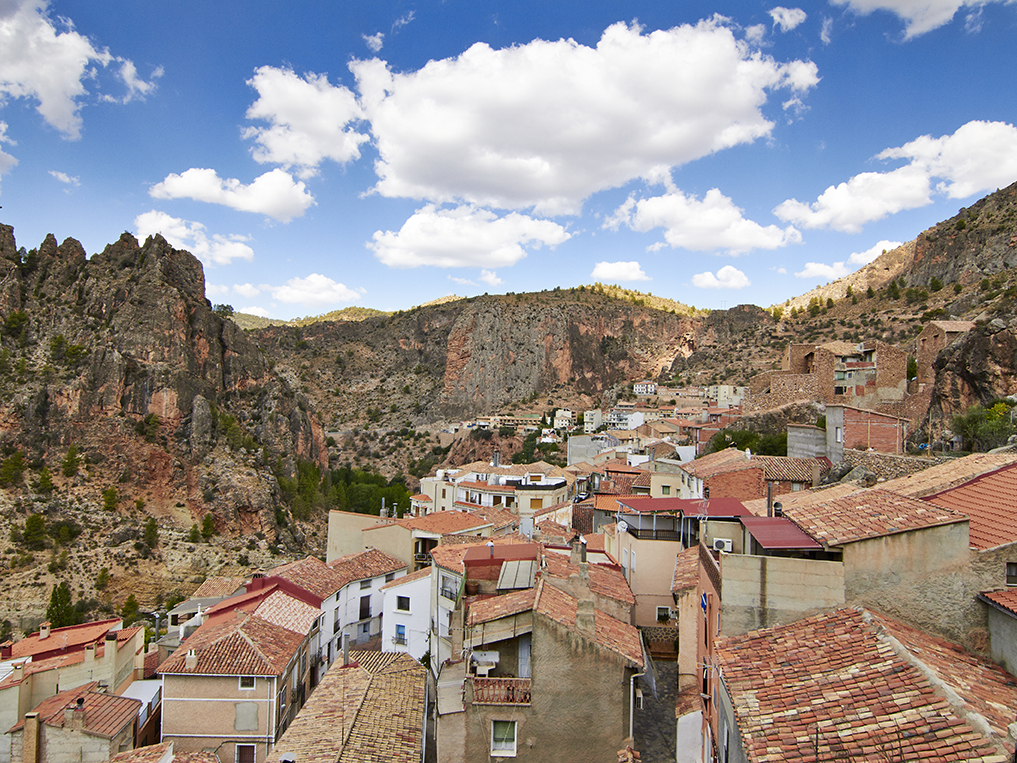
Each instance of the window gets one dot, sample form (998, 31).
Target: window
(400, 634)
(449, 587)
(245, 753)
(665, 490)
(365, 584)
(246, 683)
(403, 603)
(503, 739)
(365, 628)
(663, 614)
(1011, 573)
(365, 607)
(390, 577)
(838, 434)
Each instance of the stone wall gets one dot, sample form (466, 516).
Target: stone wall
(766, 591)
(777, 388)
(804, 441)
(886, 466)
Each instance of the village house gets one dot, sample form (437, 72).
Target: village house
(731, 473)
(256, 665)
(1001, 611)
(856, 685)
(359, 598)
(51, 661)
(522, 703)
(83, 724)
(410, 540)
(371, 708)
(406, 614)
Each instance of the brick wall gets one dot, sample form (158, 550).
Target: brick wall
(742, 484)
(867, 429)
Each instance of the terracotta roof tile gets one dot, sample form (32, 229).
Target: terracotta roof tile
(836, 679)
(364, 564)
(279, 608)
(708, 464)
(105, 714)
(605, 580)
(787, 469)
(418, 575)
(988, 501)
(155, 753)
(686, 570)
(374, 710)
(218, 587)
(245, 645)
(501, 606)
(311, 574)
(71, 637)
(450, 557)
(1005, 598)
(609, 632)
(867, 514)
(442, 522)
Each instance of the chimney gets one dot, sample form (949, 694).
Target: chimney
(578, 553)
(74, 716)
(585, 623)
(109, 654)
(815, 474)
(19, 672)
(90, 652)
(44, 630)
(5, 650)
(191, 660)
(30, 739)
(496, 459)
(346, 649)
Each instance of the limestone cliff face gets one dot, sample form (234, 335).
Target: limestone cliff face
(94, 346)
(979, 241)
(979, 366)
(474, 356)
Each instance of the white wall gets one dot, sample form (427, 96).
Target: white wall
(416, 621)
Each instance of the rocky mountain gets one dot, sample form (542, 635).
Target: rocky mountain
(121, 385)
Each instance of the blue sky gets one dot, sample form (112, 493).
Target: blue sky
(316, 155)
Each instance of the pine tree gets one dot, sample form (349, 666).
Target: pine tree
(61, 611)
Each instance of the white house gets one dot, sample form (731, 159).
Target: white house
(645, 387)
(406, 614)
(359, 603)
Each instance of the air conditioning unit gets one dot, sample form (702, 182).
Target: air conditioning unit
(723, 544)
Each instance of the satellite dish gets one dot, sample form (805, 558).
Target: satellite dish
(623, 526)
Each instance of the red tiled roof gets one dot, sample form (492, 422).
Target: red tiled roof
(836, 680)
(154, 753)
(279, 608)
(245, 645)
(501, 606)
(68, 638)
(553, 529)
(442, 522)
(867, 514)
(105, 714)
(450, 557)
(609, 632)
(686, 570)
(218, 587)
(605, 580)
(364, 564)
(421, 573)
(311, 574)
(988, 501)
(422, 497)
(778, 532)
(1005, 599)
(706, 465)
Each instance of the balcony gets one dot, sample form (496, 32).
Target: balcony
(501, 691)
(650, 534)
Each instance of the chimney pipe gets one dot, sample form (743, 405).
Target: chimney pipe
(496, 459)
(346, 649)
(191, 660)
(44, 630)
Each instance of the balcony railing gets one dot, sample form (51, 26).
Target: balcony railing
(501, 691)
(650, 534)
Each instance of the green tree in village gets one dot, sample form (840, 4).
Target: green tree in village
(61, 612)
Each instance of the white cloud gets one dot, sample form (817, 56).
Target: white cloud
(309, 120)
(821, 270)
(274, 194)
(47, 61)
(403, 20)
(463, 237)
(246, 290)
(490, 278)
(713, 223)
(137, 88)
(864, 258)
(462, 281)
(826, 33)
(7, 162)
(184, 234)
(619, 271)
(782, 271)
(64, 178)
(787, 18)
(919, 16)
(728, 277)
(314, 291)
(546, 124)
(374, 41)
(978, 157)
(259, 311)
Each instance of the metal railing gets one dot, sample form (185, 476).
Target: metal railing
(501, 691)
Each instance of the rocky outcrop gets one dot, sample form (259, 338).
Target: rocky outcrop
(976, 368)
(121, 355)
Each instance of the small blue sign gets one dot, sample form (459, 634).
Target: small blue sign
(702, 603)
